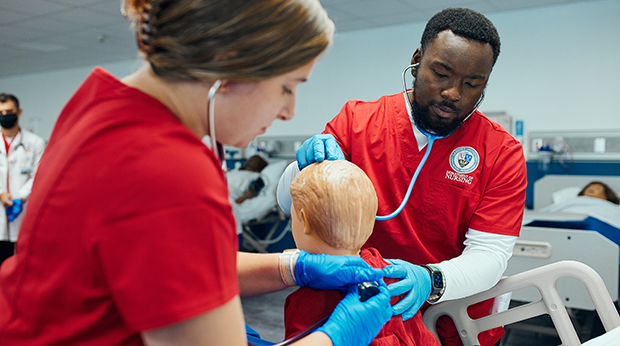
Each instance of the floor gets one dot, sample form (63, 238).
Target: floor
(265, 315)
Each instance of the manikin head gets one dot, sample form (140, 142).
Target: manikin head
(458, 50)
(334, 208)
(600, 190)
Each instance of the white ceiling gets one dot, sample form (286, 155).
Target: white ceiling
(45, 35)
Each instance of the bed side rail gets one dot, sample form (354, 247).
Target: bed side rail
(544, 279)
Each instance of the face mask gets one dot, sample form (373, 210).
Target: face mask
(8, 120)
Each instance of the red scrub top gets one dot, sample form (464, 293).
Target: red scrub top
(129, 227)
(474, 178)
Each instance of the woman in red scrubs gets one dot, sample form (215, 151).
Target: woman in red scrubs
(129, 238)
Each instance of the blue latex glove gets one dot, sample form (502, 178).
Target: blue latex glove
(13, 211)
(354, 323)
(414, 279)
(328, 272)
(318, 148)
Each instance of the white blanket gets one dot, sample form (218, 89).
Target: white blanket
(595, 207)
(239, 182)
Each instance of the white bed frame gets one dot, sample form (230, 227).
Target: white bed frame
(542, 279)
(539, 246)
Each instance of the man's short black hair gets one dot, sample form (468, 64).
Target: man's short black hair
(462, 22)
(6, 96)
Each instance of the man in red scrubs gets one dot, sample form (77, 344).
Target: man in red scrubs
(464, 213)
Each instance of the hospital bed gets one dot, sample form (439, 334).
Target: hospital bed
(545, 281)
(262, 222)
(562, 227)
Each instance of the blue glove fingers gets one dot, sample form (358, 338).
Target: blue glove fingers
(355, 270)
(318, 149)
(405, 304)
(332, 272)
(332, 149)
(356, 323)
(302, 154)
(395, 272)
(14, 210)
(416, 281)
(400, 287)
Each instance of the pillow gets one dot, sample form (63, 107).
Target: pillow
(565, 194)
(271, 175)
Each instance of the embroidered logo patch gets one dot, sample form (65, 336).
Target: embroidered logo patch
(464, 160)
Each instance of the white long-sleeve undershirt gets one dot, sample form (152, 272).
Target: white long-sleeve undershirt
(479, 267)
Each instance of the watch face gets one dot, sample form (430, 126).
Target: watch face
(437, 280)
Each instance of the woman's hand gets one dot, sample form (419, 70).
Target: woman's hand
(358, 323)
(333, 272)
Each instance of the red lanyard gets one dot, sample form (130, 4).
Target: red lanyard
(7, 145)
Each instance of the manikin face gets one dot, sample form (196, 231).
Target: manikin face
(452, 75)
(596, 191)
(244, 110)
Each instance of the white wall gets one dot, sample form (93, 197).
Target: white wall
(559, 69)
(43, 95)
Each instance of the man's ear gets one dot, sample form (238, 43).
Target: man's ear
(303, 217)
(415, 59)
(19, 112)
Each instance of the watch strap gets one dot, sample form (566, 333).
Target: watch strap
(438, 283)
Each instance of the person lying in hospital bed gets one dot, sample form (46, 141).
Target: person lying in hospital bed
(333, 212)
(240, 181)
(252, 188)
(600, 190)
(596, 199)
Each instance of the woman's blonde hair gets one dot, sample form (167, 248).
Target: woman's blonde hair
(243, 40)
(339, 200)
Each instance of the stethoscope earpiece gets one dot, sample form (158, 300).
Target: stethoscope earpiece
(211, 115)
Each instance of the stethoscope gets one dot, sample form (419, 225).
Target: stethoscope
(431, 139)
(20, 144)
(217, 148)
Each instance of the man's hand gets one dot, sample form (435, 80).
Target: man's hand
(7, 199)
(415, 282)
(318, 148)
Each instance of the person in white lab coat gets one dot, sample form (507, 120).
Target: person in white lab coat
(19, 159)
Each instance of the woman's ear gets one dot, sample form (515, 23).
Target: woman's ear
(224, 86)
(303, 217)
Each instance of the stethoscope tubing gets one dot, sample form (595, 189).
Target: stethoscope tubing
(431, 139)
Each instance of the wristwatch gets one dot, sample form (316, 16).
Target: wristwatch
(438, 283)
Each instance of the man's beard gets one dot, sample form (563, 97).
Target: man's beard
(424, 122)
